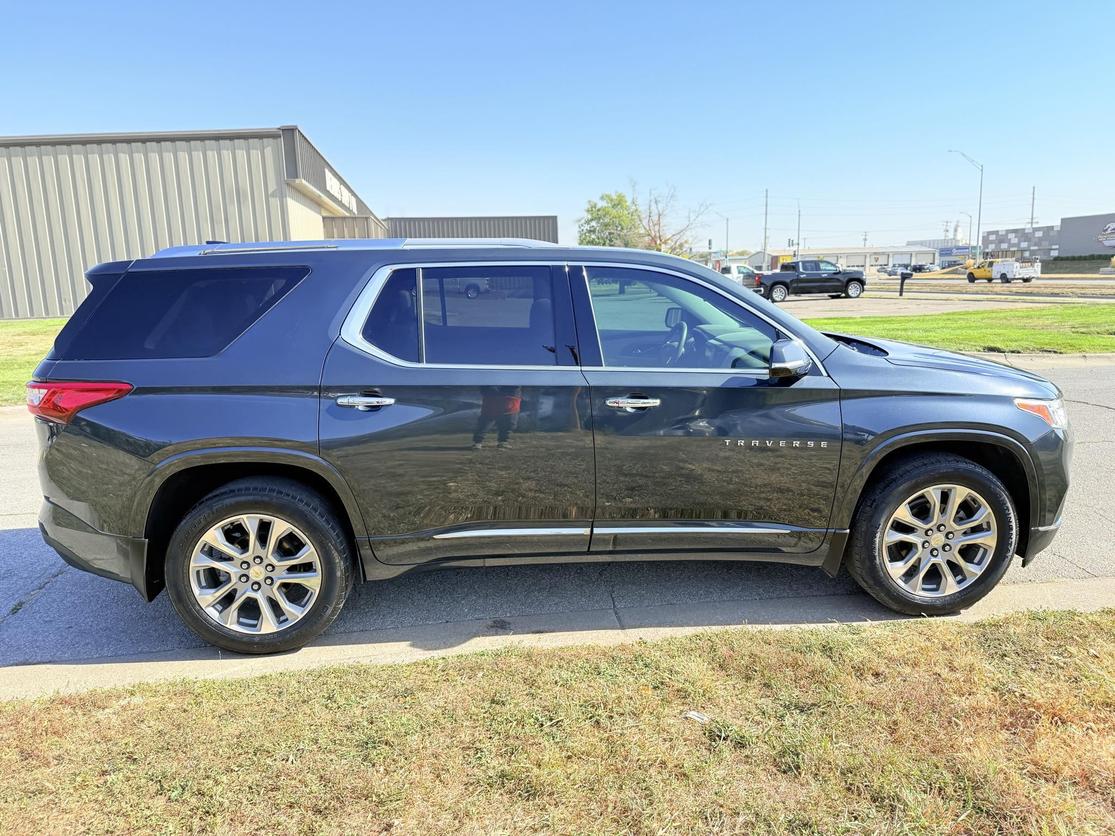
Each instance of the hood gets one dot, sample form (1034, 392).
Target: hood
(982, 375)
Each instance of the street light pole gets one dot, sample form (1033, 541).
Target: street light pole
(979, 208)
(969, 214)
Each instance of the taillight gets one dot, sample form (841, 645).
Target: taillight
(758, 279)
(61, 400)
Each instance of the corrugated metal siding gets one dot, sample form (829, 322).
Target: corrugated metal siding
(354, 226)
(538, 227)
(65, 207)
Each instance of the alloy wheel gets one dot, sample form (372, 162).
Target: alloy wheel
(255, 573)
(939, 541)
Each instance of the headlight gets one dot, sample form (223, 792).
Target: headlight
(1052, 412)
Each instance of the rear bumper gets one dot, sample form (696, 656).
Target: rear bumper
(86, 548)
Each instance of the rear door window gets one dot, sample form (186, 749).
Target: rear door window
(154, 314)
(489, 315)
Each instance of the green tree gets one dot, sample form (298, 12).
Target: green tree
(613, 221)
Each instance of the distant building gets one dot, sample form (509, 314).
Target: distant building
(853, 258)
(1079, 235)
(1023, 242)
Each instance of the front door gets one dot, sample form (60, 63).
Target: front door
(832, 277)
(468, 436)
(697, 447)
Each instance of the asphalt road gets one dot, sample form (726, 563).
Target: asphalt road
(52, 613)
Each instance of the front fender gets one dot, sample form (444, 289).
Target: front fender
(848, 498)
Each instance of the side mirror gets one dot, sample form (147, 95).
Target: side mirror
(789, 359)
(673, 316)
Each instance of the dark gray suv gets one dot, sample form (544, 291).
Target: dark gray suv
(256, 426)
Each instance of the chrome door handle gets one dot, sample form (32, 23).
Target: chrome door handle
(633, 404)
(364, 402)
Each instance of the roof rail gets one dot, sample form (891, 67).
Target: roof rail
(221, 248)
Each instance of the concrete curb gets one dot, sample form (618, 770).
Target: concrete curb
(590, 627)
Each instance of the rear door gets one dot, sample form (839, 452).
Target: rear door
(470, 435)
(697, 447)
(810, 279)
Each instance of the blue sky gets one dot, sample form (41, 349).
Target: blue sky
(509, 108)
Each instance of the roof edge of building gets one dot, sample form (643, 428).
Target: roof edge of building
(137, 136)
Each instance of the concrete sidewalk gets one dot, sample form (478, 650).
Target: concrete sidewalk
(596, 627)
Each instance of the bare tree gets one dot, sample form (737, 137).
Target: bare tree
(663, 226)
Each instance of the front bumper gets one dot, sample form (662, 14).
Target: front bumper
(86, 548)
(1039, 540)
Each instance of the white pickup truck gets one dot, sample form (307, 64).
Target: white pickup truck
(1005, 270)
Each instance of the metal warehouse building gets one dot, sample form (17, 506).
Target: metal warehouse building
(68, 202)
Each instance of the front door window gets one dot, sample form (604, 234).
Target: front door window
(647, 319)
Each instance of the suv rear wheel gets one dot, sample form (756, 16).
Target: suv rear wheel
(933, 536)
(853, 289)
(259, 566)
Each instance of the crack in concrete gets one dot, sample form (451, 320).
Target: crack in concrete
(32, 595)
(1089, 403)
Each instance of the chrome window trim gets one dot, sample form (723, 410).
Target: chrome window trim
(353, 326)
(686, 277)
(353, 323)
(511, 532)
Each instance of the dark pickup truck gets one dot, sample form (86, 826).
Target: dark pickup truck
(809, 276)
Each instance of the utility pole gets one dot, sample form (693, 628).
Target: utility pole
(726, 238)
(797, 241)
(865, 240)
(1033, 195)
(979, 208)
(766, 199)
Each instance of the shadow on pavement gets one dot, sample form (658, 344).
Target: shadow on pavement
(54, 613)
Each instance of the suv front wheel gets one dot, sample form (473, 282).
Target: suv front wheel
(933, 535)
(259, 566)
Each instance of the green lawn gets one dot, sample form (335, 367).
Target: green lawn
(1004, 726)
(1061, 329)
(23, 343)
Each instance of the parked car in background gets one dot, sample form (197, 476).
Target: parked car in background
(924, 268)
(740, 273)
(1006, 270)
(256, 427)
(896, 269)
(809, 276)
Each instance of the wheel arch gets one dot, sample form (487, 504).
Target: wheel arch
(1000, 454)
(183, 481)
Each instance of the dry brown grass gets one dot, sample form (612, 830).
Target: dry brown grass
(1002, 727)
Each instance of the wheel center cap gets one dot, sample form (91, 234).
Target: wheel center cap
(256, 573)
(937, 539)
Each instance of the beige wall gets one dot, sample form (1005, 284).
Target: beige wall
(304, 217)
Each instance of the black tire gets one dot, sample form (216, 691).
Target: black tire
(853, 289)
(989, 280)
(779, 293)
(1004, 278)
(293, 502)
(472, 291)
(1027, 281)
(882, 497)
(971, 278)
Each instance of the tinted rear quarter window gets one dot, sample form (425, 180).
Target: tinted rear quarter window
(153, 314)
